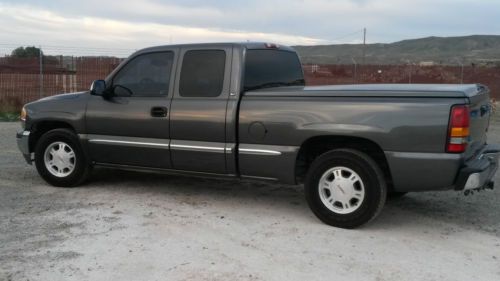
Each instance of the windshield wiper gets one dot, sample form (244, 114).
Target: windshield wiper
(298, 82)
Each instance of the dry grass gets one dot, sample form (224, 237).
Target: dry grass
(10, 107)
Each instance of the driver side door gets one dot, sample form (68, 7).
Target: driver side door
(132, 126)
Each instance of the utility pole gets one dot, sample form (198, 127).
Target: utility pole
(41, 71)
(364, 44)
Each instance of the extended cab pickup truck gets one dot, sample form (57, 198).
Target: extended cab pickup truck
(243, 110)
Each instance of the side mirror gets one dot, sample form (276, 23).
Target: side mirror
(121, 91)
(98, 87)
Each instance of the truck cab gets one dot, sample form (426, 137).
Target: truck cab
(178, 105)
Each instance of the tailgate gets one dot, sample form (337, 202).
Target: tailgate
(480, 112)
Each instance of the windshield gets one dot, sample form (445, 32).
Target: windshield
(272, 68)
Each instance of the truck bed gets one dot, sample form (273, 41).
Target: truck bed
(408, 122)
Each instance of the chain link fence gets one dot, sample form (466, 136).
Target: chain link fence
(406, 74)
(26, 79)
(53, 70)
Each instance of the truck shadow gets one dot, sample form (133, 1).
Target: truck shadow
(198, 191)
(448, 211)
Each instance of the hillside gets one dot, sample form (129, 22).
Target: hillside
(483, 49)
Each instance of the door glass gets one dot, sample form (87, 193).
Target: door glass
(147, 74)
(202, 73)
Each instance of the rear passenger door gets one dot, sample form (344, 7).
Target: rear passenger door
(198, 110)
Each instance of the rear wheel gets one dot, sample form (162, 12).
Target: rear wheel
(60, 160)
(345, 188)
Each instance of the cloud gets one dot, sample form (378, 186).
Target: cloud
(134, 24)
(41, 27)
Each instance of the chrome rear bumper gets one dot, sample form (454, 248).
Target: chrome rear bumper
(479, 172)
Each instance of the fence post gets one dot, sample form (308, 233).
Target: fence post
(410, 70)
(462, 74)
(41, 71)
(355, 78)
(461, 64)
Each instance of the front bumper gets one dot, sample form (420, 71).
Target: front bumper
(479, 171)
(22, 138)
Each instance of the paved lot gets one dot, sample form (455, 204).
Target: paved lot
(140, 226)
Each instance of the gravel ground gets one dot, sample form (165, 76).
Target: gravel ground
(142, 226)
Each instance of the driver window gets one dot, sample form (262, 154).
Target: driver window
(146, 75)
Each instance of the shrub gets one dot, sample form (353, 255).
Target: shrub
(10, 108)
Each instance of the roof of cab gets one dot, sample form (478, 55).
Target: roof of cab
(246, 45)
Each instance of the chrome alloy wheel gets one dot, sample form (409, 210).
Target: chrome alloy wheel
(59, 159)
(341, 190)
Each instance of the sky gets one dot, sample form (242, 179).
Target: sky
(119, 27)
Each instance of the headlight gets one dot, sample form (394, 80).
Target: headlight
(23, 114)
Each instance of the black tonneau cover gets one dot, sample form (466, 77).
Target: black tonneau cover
(376, 90)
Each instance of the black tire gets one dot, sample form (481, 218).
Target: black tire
(372, 178)
(81, 163)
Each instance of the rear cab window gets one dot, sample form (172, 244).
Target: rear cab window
(265, 68)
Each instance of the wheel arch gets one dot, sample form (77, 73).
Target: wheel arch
(315, 146)
(43, 126)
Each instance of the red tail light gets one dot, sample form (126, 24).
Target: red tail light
(458, 134)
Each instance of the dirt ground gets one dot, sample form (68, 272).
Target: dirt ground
(142, 226)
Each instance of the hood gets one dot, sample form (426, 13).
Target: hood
(70, 103)
(63, 96)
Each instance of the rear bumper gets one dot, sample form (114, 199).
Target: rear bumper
(22, 138)
(479, 171)
(442, 171)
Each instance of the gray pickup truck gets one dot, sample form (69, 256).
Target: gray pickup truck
(243, 110)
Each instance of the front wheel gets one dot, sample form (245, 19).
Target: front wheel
(60, 160)
(345, 188)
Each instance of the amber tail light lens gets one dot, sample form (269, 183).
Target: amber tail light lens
(458, 134)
